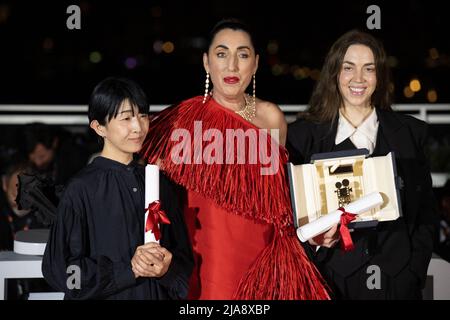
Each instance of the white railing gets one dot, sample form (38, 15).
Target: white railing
(76, 114)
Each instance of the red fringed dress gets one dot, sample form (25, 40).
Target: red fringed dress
(239, 220)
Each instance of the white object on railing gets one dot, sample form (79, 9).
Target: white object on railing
(31, 242)
(439, 269)
(439, 179)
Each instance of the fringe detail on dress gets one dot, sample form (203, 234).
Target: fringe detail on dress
(282, 272)
(239, 188)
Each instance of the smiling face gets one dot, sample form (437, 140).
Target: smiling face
(357, 79)
(124, 134)
(231, 62)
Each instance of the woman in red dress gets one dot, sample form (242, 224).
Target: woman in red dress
(227, 149)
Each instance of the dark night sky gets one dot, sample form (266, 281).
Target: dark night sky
(41, 61)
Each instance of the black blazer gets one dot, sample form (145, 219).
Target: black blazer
(394, 245)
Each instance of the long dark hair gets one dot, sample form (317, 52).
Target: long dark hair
(326, 99)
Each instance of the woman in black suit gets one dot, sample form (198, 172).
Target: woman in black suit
(351, 108)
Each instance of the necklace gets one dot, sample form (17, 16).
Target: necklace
(249, 110)
(351, 121)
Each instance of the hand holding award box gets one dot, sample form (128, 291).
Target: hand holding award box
(324, 223)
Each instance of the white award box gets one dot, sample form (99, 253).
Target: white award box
(333, 180)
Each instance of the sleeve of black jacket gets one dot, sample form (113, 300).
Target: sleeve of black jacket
(424, 228)
(68, 256)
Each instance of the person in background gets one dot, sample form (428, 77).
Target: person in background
(14, 220)
(53, 151)
(17, 219)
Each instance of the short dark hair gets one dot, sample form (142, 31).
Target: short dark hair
(233, 24)
(108, 96)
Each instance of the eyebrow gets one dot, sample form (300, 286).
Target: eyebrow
(129, 110)
(365, 64)
(225, 47)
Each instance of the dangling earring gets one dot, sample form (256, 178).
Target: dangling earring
(206, 87)
(254, 87)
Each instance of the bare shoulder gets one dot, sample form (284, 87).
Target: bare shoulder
(270, 114)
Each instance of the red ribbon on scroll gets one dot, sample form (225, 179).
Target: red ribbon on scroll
(154, 218)
(346, 238)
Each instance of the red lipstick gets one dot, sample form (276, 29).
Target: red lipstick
(231, 80)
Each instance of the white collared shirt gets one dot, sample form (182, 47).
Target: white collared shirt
(364, 136)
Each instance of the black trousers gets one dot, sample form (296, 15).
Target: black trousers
(361, 285)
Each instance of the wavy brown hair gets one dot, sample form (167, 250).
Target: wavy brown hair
(326, 99)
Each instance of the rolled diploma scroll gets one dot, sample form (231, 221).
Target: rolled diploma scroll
(151, 194)
(316, 227)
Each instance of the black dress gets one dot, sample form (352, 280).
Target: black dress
(99, 225)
